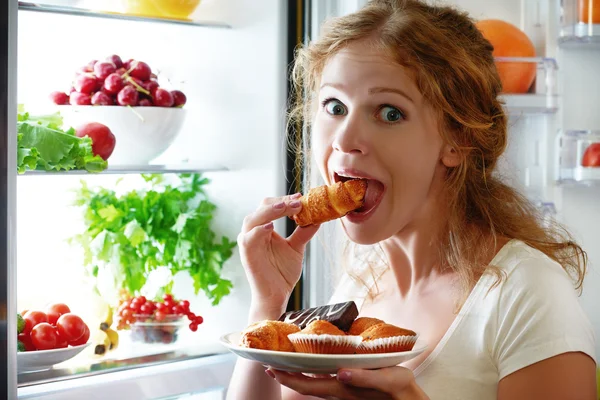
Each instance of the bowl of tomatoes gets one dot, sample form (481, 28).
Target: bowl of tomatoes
(49, 337)
(157, 322)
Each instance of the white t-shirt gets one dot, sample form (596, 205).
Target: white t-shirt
(532, 315)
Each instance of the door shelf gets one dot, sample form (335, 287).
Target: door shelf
(579, 157)
(579, 23)
(139, 169)
(541, 97)
(84, 12)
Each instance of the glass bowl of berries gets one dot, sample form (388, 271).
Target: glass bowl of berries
(157, 322)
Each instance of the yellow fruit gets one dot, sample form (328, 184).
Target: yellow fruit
(179, 9)
(114, 338)
(101, 342)
(107, 319)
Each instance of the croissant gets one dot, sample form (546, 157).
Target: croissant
(269, 335)
(325, 203)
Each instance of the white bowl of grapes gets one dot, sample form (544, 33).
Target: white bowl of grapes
(144, 117)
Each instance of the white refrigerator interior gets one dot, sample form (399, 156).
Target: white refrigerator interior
(235, 82)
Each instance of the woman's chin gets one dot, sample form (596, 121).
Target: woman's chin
(362, 235)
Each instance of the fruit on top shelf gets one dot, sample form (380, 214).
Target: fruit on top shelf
(510, 41)
(55, 328)
(116, 82)
(591, 156)
(103, 140)
(176, 9)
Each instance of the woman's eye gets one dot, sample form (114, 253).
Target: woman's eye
(390, 114)
(334, 107)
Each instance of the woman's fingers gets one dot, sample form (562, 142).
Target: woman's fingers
(272, 209)
(256, 235)
(301, 236)
(390, 380)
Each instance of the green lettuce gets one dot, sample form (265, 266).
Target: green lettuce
(42, 144)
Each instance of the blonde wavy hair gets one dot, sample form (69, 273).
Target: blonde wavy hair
(455, 72)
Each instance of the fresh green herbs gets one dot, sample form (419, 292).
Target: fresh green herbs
(164, 226)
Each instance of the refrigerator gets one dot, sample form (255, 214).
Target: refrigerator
(232, 61)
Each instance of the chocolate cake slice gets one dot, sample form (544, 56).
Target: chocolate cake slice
(341, 315)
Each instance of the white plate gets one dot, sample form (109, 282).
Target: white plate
(317, 363)
(39, 360)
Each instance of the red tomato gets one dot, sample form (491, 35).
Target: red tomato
(70, 326)
(54, 311)
(25, 338)
(61, 342)
(44, 336)
(32, 318)
(591, 157)
(83, 339)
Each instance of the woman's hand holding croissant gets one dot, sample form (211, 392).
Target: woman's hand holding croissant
(273, 264)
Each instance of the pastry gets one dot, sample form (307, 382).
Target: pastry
(325, 203)
(363, 323)
(269, 335)
(339, 314)
(386, 338)
(322, 337)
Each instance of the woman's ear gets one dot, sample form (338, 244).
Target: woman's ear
(450, 156)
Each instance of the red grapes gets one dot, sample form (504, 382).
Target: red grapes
(112, 81)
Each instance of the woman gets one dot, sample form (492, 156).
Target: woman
(405, 95)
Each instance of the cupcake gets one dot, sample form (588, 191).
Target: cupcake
(322, 337)
(362, 324)
(386, 338)
(269, 335)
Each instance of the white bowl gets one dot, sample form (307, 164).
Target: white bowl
(142, 133)
(39, 360)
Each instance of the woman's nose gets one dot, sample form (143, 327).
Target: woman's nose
(350, 137)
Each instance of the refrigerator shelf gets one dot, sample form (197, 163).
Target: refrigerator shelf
(139, 169)
(541, 96)
(579, 23)
(84, 12)
(578, 157)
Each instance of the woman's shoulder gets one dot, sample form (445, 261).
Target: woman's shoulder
(534, 313)
(524, 267)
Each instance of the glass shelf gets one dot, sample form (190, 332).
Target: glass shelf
(541, 97)
(70, 10)
(139, 169)
(579, 158)
(579, 23)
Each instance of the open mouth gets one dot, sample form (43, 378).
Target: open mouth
(373, 195)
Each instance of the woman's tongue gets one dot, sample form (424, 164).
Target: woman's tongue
(372, 196)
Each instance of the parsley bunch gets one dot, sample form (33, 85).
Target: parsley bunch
(163, 226)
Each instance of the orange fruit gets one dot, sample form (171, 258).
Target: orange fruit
(584, 8)
(510, 41)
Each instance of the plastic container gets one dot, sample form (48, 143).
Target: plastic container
(579, 157)
(580, 22)
(149, 331)
(531, 82)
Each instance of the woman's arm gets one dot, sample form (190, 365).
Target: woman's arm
(249, 380)
(568, 376)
